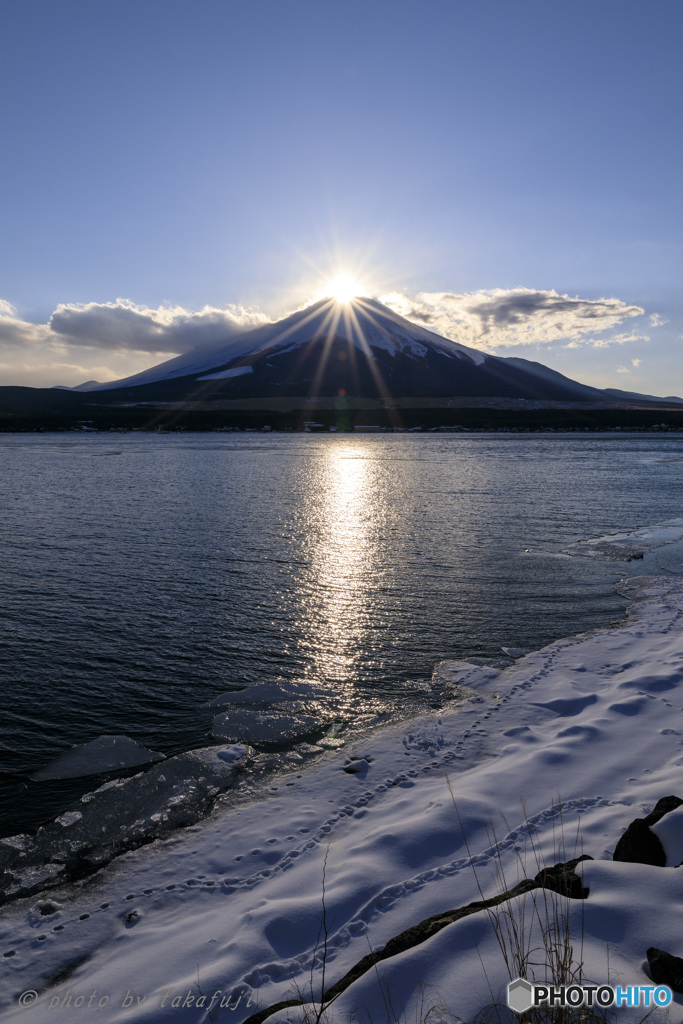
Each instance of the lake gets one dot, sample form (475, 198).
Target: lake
(142, 574)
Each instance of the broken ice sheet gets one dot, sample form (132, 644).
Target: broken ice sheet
(630, 544)
(272, 693)
(263, 727)
(117, 817)
(104, 754)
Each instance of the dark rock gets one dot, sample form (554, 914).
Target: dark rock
(639, 845)
(665, 968)
(562, 878)
(662, 807)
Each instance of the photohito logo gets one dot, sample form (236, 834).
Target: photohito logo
(523, 995)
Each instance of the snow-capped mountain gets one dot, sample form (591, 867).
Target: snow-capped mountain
(364, 323)
(361, 349)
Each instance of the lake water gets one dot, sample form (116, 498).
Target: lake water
(142, 575)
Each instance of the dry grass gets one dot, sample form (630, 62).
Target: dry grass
(534, 932)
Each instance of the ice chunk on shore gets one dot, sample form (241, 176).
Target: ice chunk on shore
(70, 818)
(105, 754)
(233, 753)
(262, 728)
(631, 543)
(118, 817)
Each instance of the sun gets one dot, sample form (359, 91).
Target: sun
(343, 287)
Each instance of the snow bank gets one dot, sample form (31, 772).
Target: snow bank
(554, 757)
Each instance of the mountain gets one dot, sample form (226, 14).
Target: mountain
(628, 396)
(360, 349)
(342, 364)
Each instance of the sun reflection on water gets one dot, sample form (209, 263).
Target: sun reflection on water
(342, 566)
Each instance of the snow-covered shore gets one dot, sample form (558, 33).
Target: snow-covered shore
(587, 734)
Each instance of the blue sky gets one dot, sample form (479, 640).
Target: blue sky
(164, 156)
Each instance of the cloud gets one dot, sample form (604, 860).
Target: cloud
(636, 362)
(123, 325)
(106, 341)
(502, 318)
(17, 333)
(623, 369)
(657, 321)
(616, 339)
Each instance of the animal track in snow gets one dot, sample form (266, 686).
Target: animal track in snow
(388, 897)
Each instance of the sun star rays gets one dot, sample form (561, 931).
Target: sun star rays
(351, 312)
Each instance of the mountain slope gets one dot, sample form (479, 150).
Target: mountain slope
(360, 349)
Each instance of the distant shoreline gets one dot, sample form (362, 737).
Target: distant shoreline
(242, 416)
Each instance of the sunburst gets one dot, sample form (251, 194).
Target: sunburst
(343, 288)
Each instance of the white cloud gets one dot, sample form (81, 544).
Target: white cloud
(617, 339)
(657, 321)
(502, 318)
(17, 333)
(626, 369)
(105, 341)
(123, 325)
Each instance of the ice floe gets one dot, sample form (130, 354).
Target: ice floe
(271, 693)
(120, 815)
(631, 543)
(104, 754)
